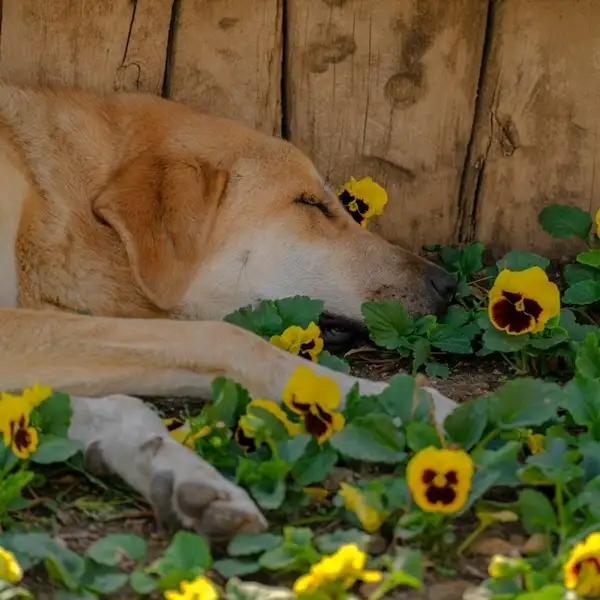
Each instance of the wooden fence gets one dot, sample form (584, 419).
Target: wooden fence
(473, 113)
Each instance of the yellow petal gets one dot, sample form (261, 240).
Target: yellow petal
(36, 394)
(371, 576)
(276, 410)
(10, 570)
(440, 462)
(355, 501)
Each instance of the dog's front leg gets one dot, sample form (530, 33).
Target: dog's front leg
(122, 436)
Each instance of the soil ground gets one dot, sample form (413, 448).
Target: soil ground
(79, 510)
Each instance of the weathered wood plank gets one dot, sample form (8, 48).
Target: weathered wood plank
(227, 60)
(388, 89)
(94, 44)
(536, 136)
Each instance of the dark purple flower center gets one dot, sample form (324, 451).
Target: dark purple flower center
(306, 348)
(515, 313)
(361, 206)
(435, 494)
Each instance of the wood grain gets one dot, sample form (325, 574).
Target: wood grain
(536, 135)
(388, 89)
(227, 60)
(93, 44)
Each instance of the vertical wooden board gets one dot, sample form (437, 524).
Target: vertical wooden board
(227, 60)
(536, 137)
(99, 45)
(388, 89)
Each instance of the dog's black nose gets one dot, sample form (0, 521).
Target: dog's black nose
(442, 283)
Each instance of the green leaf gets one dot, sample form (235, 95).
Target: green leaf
(291, 450)
(333, 362)
(373, 438)
(587, 362)
(524, 402)
(111, 549)
(388, 323)
(549, 339)
(299, 310)
(517, 260)
(450, 339)
(328, 543)
(421, 353)
(591, 258)
(245, 544)
(277, 559)
(584, 292)
(103, 580)
(230, 400)
(471, 259)
(581, 397)
(467, 422)
(65, 566)
(576, 331)
(269, 493)
(55, 449)
(141, 583)
(187, 552)
(575, 273)
(264, 320)
(556, 465)
(436, 369)
(397, 399)
(499, 341)
(455, 316)
(420, 435)
(562, 221)
(536, 512)
(55, 415)
(233, 567)
(315, 464)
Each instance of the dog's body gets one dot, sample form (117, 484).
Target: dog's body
(133, 206)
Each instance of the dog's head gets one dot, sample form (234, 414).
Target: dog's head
(203, 240)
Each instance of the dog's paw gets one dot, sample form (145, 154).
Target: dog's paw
(123, 437)
(187, 492)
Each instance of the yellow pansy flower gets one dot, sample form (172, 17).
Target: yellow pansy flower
(440, 479)
(36, 394)
(315, 399)
(10, 570)
(582, 570)
(355, 501)
(343, 569)
(535, 442)
(181, 432)
(245, 431)
(199, 589)
(14, 424)
(523, 301)
(363, 199)
(306, 343)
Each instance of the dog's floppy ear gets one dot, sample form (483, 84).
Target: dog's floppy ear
(163, 208)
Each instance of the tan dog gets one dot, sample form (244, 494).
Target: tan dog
(133, 206)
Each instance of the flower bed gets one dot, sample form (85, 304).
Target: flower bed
(527, 453)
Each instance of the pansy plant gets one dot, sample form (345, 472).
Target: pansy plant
(363, 199)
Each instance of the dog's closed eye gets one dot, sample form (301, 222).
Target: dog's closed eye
(308, 200)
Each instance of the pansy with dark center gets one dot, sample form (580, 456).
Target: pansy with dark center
(363, 199)
(24, 438)
(315, 399)
(582, 569)
(355, 206)
(306, 343)
(440, 479)
(523, 301)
